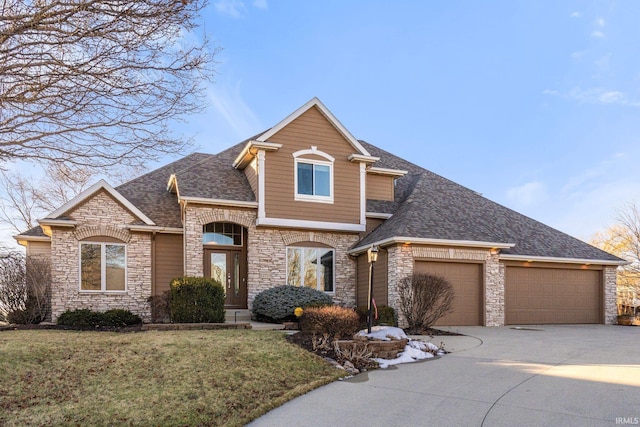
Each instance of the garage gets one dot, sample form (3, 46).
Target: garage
(466, 279)
(552, 295)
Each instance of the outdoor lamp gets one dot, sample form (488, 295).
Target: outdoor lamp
(372, 256)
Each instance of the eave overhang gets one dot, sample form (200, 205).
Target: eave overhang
(434, 242)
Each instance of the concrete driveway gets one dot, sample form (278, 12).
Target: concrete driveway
(585, 375)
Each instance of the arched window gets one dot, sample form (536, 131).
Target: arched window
(222, 233)
(313, 179)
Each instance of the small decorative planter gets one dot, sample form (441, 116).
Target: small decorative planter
(625, 319)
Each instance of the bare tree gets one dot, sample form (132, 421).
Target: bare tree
(97, 82)
(23, 199)
(25, 288)
(623, 240)
(424, 298)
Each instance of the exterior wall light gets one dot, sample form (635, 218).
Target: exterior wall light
(372, 256)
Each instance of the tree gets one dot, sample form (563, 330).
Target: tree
(623, 240)
(97, 82)
(23, 200)
(25, 288)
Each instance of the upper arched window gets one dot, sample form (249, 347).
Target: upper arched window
(313, 176)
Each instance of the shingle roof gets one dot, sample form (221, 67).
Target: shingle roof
(215, 178)
(34, 232)
(430, 206)
(426, 205)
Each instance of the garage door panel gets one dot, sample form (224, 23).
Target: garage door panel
(547, 295)
(466, 280)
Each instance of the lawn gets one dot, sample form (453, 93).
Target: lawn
(150, 378)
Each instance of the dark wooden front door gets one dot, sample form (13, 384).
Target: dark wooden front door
(229, 268)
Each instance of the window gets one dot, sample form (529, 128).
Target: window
(222, 233)
(311, 267)
(314, 180)
(102, 267)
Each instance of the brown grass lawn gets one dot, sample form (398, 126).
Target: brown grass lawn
(150, 378)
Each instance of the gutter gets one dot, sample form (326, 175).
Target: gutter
(426, 241)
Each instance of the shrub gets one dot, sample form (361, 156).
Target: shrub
(85, 318)
(335, 321)
(25, 288)
(276, 305)
(159, 307)
(196, 300)
(424, 298)
(81, 318)
(386, 316)
(120, 317)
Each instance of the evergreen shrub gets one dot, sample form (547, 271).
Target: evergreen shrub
(196, 300)
(276, 305)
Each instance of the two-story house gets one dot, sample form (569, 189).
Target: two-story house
(300, 204)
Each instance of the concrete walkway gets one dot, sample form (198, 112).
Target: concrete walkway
(586, 375)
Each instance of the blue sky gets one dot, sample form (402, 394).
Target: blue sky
(534, 104)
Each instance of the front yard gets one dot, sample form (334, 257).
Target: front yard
(150, 378)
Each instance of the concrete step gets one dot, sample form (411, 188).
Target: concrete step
(233, 315)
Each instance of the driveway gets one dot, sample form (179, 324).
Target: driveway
(585, 375)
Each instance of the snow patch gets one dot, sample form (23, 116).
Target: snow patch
(384, 333)
(413, 351)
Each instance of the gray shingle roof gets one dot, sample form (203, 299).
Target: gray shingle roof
(430, 206)
(426, 205)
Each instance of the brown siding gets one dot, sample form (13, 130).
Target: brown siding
(169, 262)
(311, 129)
(379, 187)
(380, 294)
(372, 224)
(252, 176)
(39, 249)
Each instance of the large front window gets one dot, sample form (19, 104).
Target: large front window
(314, 180)
(103, 267)
(311, 267)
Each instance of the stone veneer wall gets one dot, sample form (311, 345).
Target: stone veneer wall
(610, 278)
(99, 217)
(266, 250)
(401, 262)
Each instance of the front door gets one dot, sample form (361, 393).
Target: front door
(229, 269)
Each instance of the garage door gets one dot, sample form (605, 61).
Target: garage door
(552, 295)
(467, 284)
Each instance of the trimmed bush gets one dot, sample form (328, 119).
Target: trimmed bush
(331, 321)
(276, 305)
(196, 300)
(81, 318)
(85, 318)
(387, 316)
(120, 317)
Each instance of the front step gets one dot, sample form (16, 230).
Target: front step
(235, 315)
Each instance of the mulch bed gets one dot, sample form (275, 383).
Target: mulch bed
(134, 328)
(305, 341)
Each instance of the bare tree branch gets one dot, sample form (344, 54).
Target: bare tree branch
(98, 82)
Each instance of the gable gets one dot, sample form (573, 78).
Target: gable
(100, 187)
(312, 138)
(101, 208)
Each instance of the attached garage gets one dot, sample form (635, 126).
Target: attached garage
(466, 279)
(552, 295)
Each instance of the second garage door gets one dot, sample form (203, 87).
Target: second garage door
(466, 280)
(552, 295)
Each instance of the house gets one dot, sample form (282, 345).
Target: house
(300, 204)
